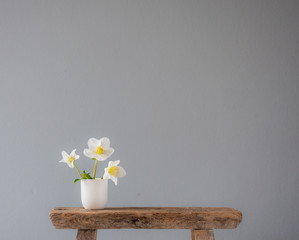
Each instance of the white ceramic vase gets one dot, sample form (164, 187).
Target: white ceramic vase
(94, 193)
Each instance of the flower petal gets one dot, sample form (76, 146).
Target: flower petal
(71, 164)
(121, 172)
(63, 160)
(110, 164)
(106, 174)
(73, 153)
(76, 157)
(105, 142)
(115, 163)
(107, 153)
(64, 155)
(93, 143)
(88, 153)
(114, 179)
(101, 157)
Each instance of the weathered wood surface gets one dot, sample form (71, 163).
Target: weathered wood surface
(146, 218)
(202, 234)
(87, 234)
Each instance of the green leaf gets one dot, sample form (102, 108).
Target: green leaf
(86, 175)
(94, 159)
(76, 180)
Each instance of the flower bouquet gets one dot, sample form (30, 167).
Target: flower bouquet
(94, 190)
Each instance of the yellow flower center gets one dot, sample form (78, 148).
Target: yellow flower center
(113, 171)
(71, 159)
(99, 150)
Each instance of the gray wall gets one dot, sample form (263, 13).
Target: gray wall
(199, 98)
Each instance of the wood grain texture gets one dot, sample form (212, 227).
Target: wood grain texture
(87, 234)
(146, 218)
(202, 234)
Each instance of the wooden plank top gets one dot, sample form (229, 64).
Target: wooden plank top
(146, 218)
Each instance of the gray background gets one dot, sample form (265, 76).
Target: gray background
(199, 98)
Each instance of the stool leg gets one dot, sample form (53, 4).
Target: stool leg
(202, 234)
(87, 234)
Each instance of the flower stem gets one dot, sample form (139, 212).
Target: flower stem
(95, 169)
(77, 169)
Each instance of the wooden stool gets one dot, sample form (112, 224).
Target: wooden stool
(201, 221)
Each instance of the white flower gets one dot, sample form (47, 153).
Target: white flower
(114, 172)
(98, 149)
(69, 158)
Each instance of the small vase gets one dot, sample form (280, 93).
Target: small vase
(94, 193)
